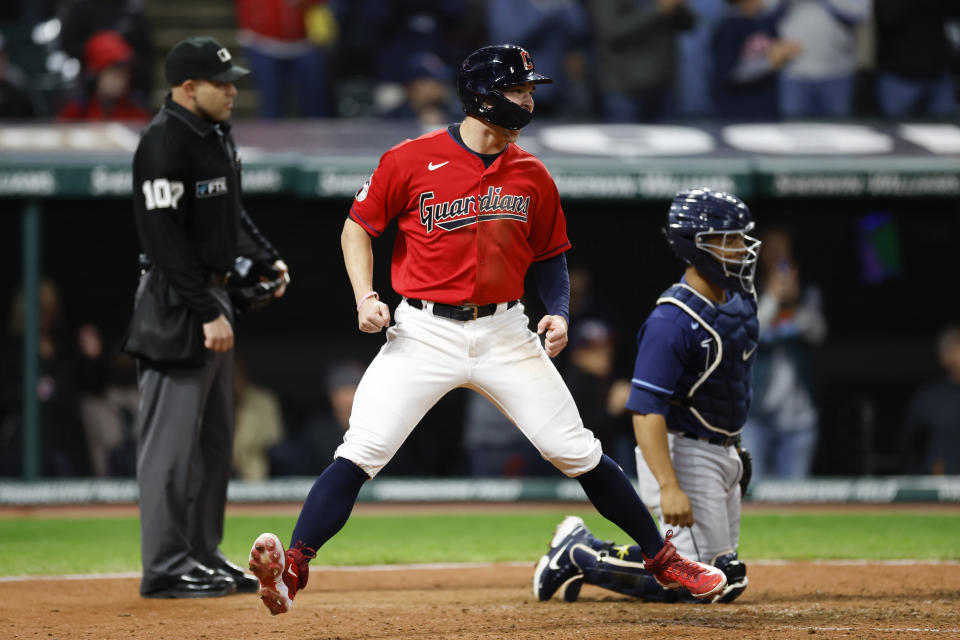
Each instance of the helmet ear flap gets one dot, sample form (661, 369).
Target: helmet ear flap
(504, 113)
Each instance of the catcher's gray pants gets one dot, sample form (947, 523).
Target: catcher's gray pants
(710, 476)
(184, 447)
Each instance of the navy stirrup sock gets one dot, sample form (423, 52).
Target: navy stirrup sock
(329, 503)
(608, 488)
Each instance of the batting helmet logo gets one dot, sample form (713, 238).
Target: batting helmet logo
(527, 60)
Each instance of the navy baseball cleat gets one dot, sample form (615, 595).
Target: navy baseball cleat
(556, 569)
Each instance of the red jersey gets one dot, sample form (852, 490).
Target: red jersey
(121, 110)
(277, 19)
(466, 233)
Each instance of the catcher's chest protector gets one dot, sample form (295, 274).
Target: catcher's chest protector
(719, 391)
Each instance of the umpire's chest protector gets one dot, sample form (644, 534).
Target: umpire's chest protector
(718, 392)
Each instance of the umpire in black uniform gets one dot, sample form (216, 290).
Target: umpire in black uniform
(192, 227)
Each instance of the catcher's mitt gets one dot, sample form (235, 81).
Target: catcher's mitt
(252, 285)
(747, 460)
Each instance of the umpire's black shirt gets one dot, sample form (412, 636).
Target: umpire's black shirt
(187, 204)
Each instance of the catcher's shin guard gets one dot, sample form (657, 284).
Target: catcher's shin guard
(609, 567)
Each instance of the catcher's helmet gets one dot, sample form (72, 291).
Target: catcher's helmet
(484, 72)
(700, 227)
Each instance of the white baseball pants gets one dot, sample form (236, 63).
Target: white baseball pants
(426, 356)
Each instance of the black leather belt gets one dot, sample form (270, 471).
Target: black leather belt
(723, 442)
(462, 313)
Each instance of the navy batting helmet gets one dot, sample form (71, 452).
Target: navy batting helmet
(488, 69)
(708, 229)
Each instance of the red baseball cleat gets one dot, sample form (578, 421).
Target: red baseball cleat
(281, 573)
(672, 570)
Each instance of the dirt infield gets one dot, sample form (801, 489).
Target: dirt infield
(783, 601)
(797, 600)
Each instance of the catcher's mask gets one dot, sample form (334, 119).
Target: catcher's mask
(708, 229)
(485, 72)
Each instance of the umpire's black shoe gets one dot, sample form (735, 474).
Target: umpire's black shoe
(246, 583)
(199, 582)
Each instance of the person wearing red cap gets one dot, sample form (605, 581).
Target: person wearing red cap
(106, 92)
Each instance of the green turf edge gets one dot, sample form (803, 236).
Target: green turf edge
(109, 545)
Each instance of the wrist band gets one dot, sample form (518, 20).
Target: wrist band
(372, 294)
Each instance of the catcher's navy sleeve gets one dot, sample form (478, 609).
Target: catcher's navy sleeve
(661, 359)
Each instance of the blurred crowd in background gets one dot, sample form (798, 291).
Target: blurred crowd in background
(88, 398)
(613, 60)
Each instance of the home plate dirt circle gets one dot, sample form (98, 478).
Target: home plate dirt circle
(795, 600)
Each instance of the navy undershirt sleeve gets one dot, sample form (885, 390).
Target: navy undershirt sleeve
(553, 283)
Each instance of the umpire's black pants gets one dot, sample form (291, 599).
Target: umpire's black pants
(184, 447)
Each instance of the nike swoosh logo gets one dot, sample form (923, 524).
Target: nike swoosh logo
(434, 167)
(293, 574)
(747, 354)
(553, 561)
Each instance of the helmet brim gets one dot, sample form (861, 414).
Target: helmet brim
(536, 78)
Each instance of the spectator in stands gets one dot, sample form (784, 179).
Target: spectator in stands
(695, 65)
(747, 58)
(259, 425)
(440, 26)
(62, 444)
(308, 452)
(601, 397)
(428, 92)
(81, 19)
(376, 35)
(286, 46)
(108, 405)
(106, 92)
(636, 42)
(555, 32)
(819, 81)
(931, 434)
(15, 103)
(781, 429)
(913, 57)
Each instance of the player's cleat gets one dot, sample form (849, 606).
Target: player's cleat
(671, 571)
(556, 570)
(281, 573)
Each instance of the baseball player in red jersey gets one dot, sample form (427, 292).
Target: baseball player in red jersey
(473, 212)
